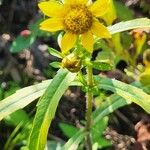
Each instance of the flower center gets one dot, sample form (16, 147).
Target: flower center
(78, 20)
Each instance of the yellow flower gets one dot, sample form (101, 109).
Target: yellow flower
(78, 18)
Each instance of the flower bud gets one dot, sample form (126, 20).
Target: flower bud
(140, 37)
(72, 63)
(25, 33)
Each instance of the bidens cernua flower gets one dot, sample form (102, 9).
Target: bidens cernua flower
(78, 18)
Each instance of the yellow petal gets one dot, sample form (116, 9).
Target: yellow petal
(110, 15)
(69, 1)
(76, 1)
(100, 30)
(68, 41)
(87, 41)
(99, 8)
(51, 8)
(82, 1)
(52, 25)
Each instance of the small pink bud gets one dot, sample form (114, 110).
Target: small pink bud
(25, 33)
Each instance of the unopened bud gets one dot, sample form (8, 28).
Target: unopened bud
(140, 37)
(25, 33)
(72, 63)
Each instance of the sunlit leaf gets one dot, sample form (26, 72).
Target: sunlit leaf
(110, 105)
(75, 141)
(17, 117)
(54, 52)
(22, 98)
(68, 130)
(55, 64)
(46, 108)
(129, 25)
(102, 65)
(128, 92)
(97, 133)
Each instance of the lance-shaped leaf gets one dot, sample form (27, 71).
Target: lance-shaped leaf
(110, 105)
(22, 98)
(128, 92)
(73, 142)
(47, 107)
(54, 52)
(129, 25)
(102, 65)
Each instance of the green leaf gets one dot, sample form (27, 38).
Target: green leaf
(102, 65)
(68, 130)
(129, 25)
(22, 98)
(21, 43)
(24, 148)
(17, 117)
(97, 133)
(145, 78)
(55, 64)
(146, 89)
(127, 40)
(101, 44)
(110, 105)
(100, 126)
(46, 109)
(19, 134)
(12, 87)
(53, 145)
(103, 143)
(123, 12)
(54, 52)
(128, 92)
(75, 141)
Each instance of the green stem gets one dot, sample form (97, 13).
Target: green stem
(89, 98)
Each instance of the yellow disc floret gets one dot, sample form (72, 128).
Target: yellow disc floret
(78, 20)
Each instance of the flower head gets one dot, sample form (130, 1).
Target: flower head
(78, 18)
